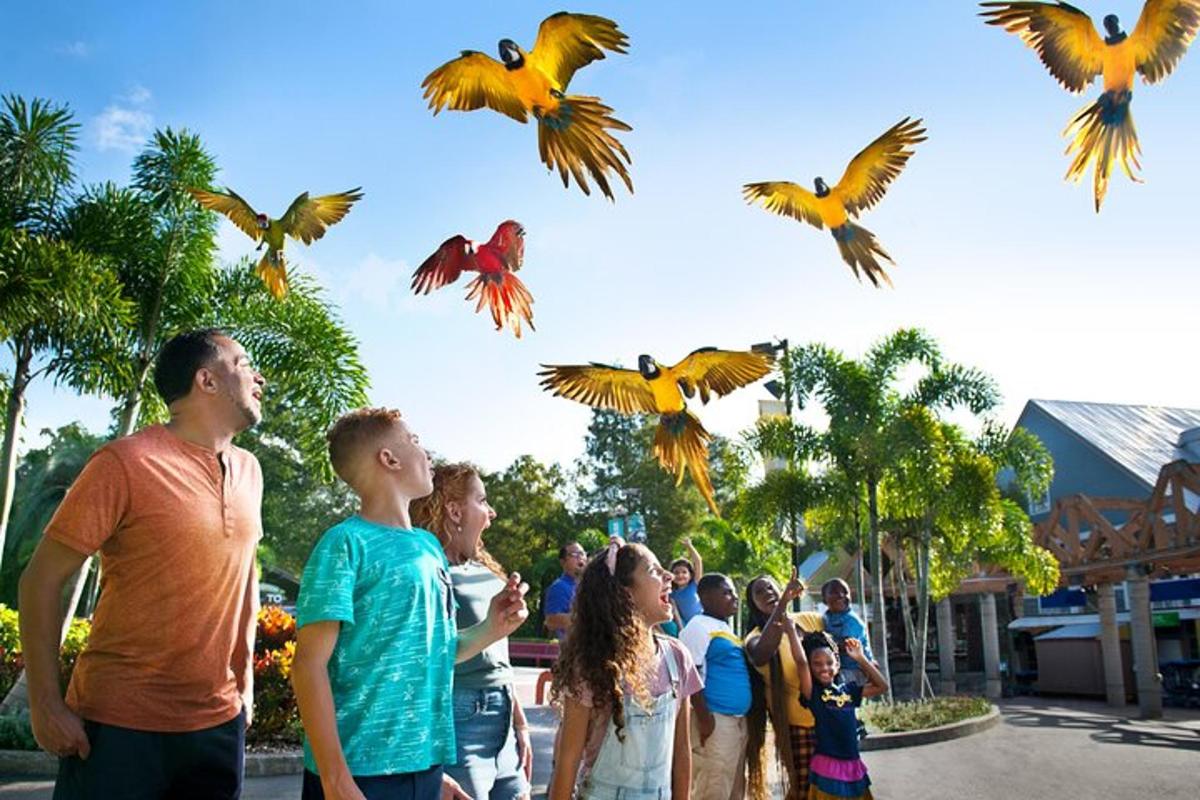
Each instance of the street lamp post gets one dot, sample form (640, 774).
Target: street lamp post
(783, 390)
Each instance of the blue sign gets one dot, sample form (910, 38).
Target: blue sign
(616, 526)
(637, 528)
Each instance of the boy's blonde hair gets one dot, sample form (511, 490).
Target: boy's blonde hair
(353, 433)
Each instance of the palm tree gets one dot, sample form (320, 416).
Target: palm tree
(942, 499)
(55, 298)
(862, 399)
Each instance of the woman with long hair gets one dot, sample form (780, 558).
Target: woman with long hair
(770, 625)
(495, 760)
(622, 689)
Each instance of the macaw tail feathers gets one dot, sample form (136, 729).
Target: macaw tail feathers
(859, 248)
(682, 443)
(506, 297)
(273, 271)
(1103, 132)
(576, 140)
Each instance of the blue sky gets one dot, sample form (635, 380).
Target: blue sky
(996, 256)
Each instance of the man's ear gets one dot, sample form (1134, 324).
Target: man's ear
(205, 380)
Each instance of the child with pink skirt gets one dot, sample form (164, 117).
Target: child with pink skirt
(836, 771)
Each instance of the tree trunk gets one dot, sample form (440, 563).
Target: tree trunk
(14, 415)
(879, 622)
(860, 581)
(919, 657)
(906, 612)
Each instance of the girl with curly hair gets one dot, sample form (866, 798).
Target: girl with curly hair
(494, 759)
(623, 690)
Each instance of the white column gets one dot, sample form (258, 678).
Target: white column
(1110, 645)
(945, 633)
(1145, 655)
(991, 644)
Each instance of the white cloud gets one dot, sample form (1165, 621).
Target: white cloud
(375, 281)
(138, 95)
(75, 49)
(124, 129)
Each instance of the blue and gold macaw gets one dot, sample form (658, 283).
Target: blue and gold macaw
(681, 442)
(573, 130)
(1071, 48)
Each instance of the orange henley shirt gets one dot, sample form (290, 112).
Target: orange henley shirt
(171, 647)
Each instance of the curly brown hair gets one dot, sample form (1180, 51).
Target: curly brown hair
(608, 646)
(450, 484)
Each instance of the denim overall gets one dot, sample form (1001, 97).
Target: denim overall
(640, 767)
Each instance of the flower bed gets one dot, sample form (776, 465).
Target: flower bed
(920, 714)
(276, 718)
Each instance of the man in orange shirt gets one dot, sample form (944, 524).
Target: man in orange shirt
(160, 699)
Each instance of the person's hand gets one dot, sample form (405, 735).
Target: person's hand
(451, 790)
(248, 707)
(795, 588)
(524, 752)
(854, 649)
(59, 730)
(708, 724)
(508, 610)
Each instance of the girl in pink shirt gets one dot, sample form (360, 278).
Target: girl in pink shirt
(623, 690)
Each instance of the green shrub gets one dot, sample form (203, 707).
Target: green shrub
(919, 714)
(15, 733)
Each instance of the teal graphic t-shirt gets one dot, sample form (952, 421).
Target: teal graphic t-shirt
(392, 668)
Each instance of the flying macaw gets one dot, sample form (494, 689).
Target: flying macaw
(573, 130)
(862, 186)
(1069, 45)
(680, 441)
(497, 287)
(305, 220)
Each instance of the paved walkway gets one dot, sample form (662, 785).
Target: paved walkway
(1043, 749)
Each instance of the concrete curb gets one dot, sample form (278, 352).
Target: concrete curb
(38, 764)
(942, 733)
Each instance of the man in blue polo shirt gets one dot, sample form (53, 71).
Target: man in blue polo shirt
(719, 730)
(557, 605)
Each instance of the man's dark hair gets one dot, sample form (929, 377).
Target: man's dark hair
(562, 550)
(710, 582)
(177, 363)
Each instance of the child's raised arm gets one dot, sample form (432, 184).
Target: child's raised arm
(804, 674)
(314, 697)
(878, 685)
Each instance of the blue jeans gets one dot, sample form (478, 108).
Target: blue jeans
(488, 767)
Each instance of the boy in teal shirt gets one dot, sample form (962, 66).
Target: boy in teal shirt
(377, 643)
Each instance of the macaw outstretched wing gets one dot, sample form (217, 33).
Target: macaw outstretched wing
(869, 173)
(600, 386)
(787, 198)
(1162, 35)
(307, 217)
(232, 206)
(709, 370)
(471, 81)
(1063, 37)
(566, 42)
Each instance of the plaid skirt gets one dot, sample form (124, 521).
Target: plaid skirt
(804, 745)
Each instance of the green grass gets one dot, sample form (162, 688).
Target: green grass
(915, 715)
